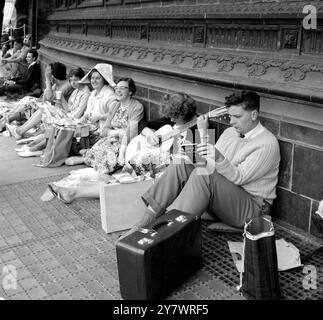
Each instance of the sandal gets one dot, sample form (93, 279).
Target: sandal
(48, 195)
(57, 195)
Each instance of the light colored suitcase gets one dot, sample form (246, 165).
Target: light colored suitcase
(121, 204)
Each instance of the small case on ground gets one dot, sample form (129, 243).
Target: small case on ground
(155, 260)
(121, 204)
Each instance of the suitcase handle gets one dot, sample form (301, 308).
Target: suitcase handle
(158, 225)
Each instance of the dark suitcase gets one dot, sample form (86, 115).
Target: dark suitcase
(154, 261)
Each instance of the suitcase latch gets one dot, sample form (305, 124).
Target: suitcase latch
(181, 218)
(144, 230)
(151, 232)
(144, 241)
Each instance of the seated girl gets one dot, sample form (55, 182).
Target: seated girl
(77, 102)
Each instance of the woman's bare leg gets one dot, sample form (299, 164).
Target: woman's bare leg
(40, 145)
(15, 116)
(71, 193)
(37, 140)
(33, 121)
(11, 117)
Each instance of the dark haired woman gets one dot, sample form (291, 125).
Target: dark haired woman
(178, 109)
(77, 102)
(55, 76)
(56, 82)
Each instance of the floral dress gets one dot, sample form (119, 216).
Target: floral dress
(103, 156)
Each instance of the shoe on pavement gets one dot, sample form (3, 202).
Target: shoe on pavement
(147, 218)
(13, 131)
(23, 148)
(10, 128)
(28, 153)
(26, 140)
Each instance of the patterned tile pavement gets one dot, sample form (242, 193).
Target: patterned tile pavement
(60, 252)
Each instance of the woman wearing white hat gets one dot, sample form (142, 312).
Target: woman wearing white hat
(102, 98)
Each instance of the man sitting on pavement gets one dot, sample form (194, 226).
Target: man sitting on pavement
(240, 177)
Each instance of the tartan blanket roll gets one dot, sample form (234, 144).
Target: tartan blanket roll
(261, 279)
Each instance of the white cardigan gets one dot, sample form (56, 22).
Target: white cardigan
(101, 103)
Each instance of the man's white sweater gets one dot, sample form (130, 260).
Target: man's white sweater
(251, 162)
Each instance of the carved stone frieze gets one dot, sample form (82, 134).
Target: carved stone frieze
(241, 36)
(177, 57)
(201, 10)
(291, 70)
(142, 53)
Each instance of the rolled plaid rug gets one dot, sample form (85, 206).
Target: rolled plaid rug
(260, 278)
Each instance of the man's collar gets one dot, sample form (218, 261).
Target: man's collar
(255, 131)
(32, 64)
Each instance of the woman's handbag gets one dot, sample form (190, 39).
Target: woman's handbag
(79, 143)
(58, 146)
(260, 280)
(81, 140)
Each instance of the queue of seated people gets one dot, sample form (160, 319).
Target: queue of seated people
(242, 174)
(19, 72)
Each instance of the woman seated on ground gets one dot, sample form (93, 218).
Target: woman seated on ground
(101, 101)
(77, 102)
(74, 109)
(108, 153)
(179, 109)
(55, 82)
(55, 75)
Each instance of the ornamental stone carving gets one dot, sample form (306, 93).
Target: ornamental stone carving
(200, 10)
(224, 63)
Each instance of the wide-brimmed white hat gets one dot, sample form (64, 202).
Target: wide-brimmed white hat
(106, 72)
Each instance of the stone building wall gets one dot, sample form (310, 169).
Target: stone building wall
(209, 49)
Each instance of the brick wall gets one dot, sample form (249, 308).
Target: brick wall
(300, 185)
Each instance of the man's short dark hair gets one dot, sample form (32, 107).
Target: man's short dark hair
(34, 53)
(19, 40)
(250, 100)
